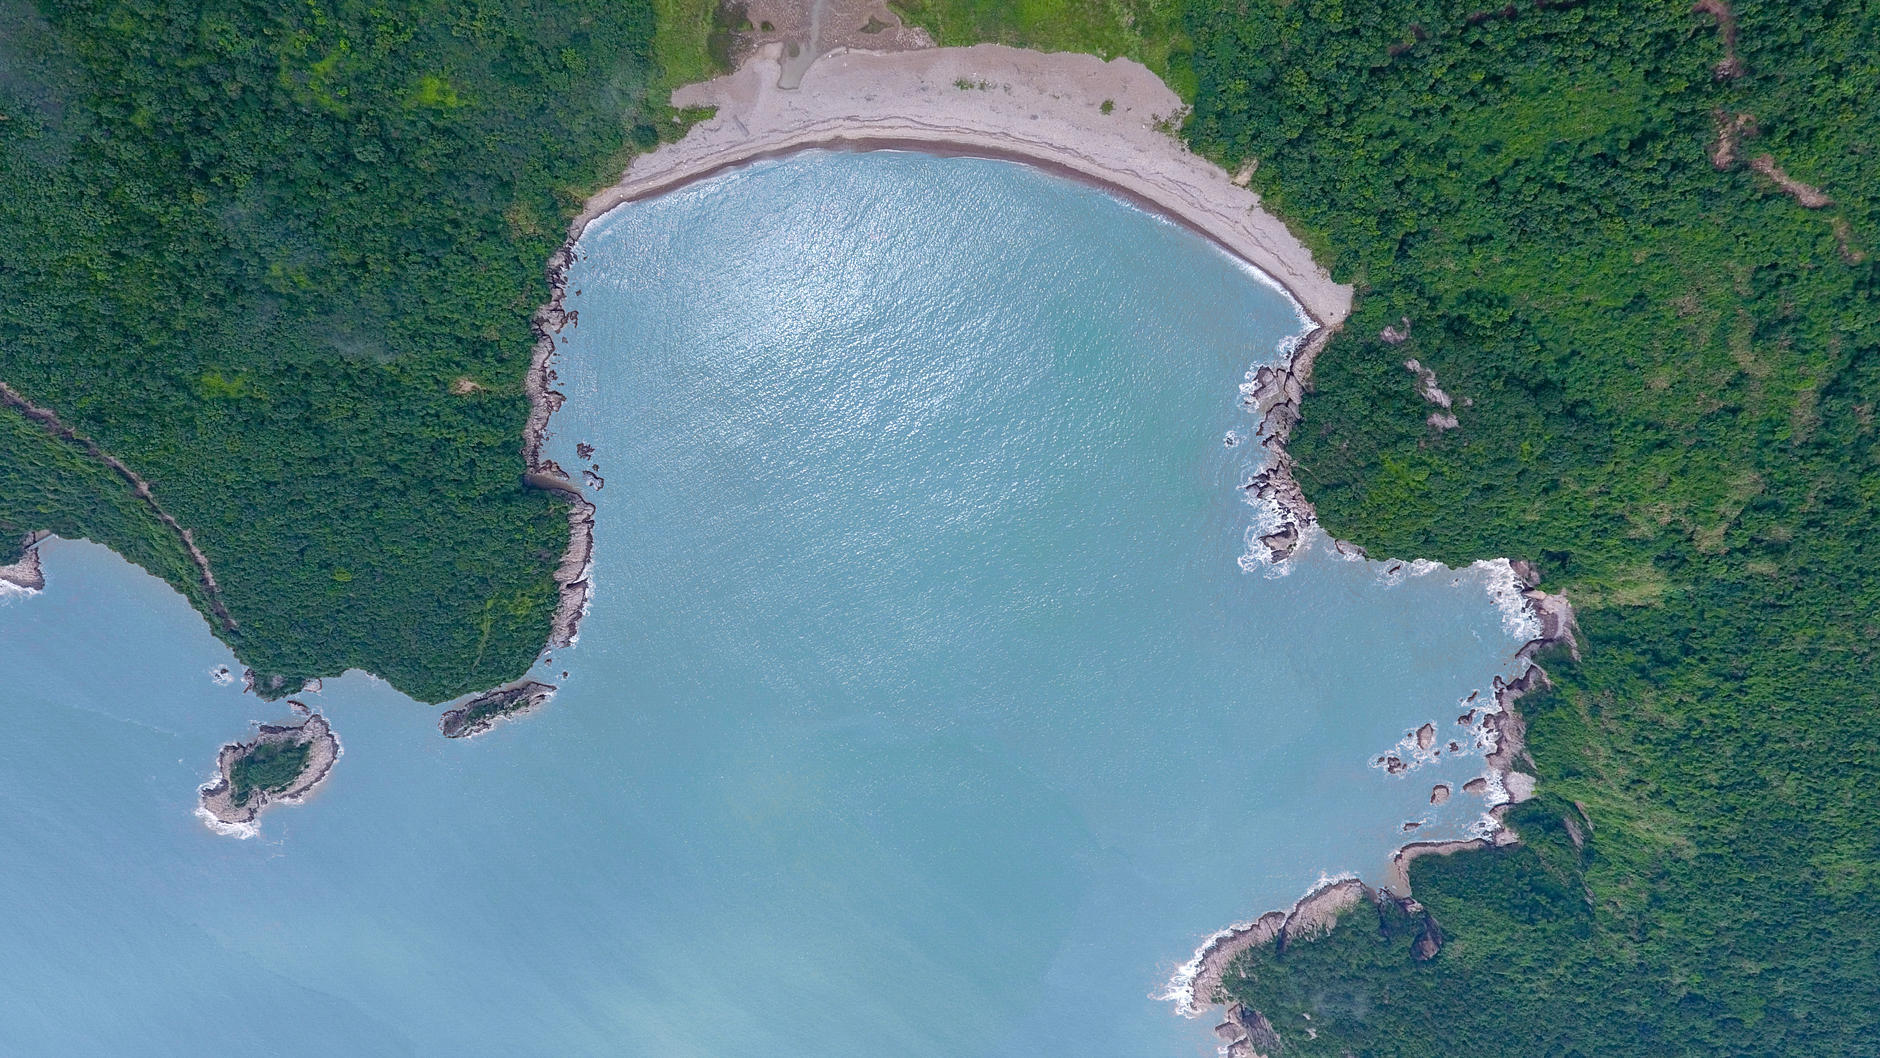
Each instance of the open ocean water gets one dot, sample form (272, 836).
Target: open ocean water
(924, 708)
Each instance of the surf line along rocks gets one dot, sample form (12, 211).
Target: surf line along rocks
(25, 574)
(1247, 1033)
(282, 764)
(574, 590)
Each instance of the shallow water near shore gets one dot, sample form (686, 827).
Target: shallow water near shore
(924, 707)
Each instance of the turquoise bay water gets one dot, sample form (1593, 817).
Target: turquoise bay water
(923, 709)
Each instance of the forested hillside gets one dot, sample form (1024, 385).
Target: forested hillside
(279, 260)
(1635, 243)
(1664, 366)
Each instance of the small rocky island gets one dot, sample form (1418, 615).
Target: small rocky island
(283, 762)
(482, 712)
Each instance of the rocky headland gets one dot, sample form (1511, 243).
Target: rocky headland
(25, 573)
(1247, 1033)
(481, 712)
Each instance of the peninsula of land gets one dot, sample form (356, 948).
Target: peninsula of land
(480, 712)
(24, 574)
(1246, 1033)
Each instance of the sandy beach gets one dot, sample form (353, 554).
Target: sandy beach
(988, 101)
(1112, 124)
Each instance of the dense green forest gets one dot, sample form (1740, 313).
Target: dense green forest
(280, 259)
(269, 767)
(252, 250)
(1665, 369)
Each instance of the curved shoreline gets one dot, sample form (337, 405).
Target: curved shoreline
(1196, 985)
(1110, 125)
(986, 101)
(53, 425)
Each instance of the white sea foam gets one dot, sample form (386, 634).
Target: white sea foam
(1504, 588)
(1256, 557)
(1485, 827)
(1180, 988)
(10, 590)
(243, 831)
(222, 676)
(1497, 793)
(1306, 324)
(1346, 551)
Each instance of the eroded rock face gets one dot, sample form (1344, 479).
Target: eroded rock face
(224, 807)
(25, 573)
(482, 712)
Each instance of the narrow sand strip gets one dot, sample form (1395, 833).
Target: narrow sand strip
(991, 101)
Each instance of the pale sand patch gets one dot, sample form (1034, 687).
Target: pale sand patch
(987, 100)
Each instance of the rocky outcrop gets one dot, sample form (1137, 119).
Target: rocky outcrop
(481, 712)
(1273, 394)
(1809, 196)
(25, 573)
(224, 810)
(1245, 1033)
(571, 574)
